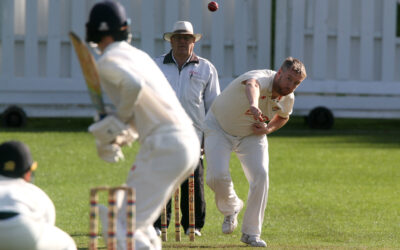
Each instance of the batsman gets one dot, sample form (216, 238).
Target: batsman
(144, 102)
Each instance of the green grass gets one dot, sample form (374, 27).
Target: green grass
(329, 189)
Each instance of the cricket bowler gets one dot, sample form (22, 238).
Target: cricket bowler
(252, 106)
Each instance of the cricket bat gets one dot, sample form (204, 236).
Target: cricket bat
(90, 72)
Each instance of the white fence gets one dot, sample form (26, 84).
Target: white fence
(349, 47)
(351, 53)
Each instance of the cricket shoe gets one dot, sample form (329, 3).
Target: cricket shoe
(230, 221)
(253, 240)
(196, 232)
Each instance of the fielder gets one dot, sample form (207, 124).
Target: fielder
(146, 103)
(253, 105)
(27, 215)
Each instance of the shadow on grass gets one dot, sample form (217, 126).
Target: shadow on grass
(85, 248)
(185, 246)
(189, 246)
(345, 125)
(380, 131)
(53, 125)
(372, 131)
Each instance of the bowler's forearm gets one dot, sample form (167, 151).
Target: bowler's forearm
(252, 92)
(276, 123)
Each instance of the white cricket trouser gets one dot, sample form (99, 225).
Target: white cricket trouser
(166, 158)
(252, 152)
(21, 232)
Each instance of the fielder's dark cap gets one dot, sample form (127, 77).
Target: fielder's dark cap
(107, 16)
(15, 159)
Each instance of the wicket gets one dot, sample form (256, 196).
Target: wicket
(112, 211)
(164, 224)
(192, 223)
(177, 215)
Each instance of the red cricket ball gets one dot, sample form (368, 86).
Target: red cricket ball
(212, 6)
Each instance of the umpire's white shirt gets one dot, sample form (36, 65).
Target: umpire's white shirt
(196, 85)
(33, 227)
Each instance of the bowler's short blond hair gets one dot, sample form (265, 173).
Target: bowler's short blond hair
(295, 65)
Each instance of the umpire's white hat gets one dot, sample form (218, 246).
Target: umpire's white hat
(182, 27)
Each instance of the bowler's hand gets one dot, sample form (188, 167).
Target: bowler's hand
(257, 114)
(259, 128)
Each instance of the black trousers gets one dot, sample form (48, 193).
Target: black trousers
(199, 201)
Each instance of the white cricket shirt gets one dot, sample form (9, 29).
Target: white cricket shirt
(17, 195)
(196, 85)
(231, 107)
(139, 90)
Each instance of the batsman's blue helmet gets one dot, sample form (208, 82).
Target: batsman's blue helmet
(107, 18)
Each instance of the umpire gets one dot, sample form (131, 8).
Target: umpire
(195, 82)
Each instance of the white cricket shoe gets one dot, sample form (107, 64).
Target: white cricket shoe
(253, 240)
(196, 232)
(230, 221)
